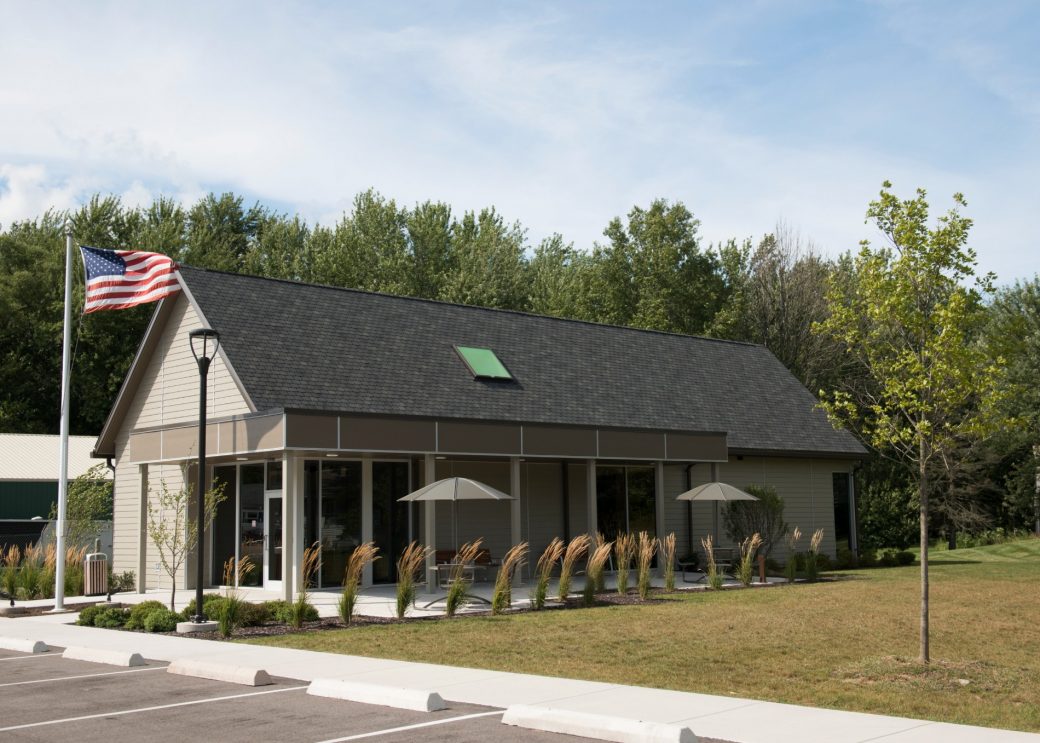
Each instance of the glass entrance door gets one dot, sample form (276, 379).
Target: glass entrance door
(273, 542)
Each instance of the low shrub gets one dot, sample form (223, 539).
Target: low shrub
(86, 616)
(868, 557)
(282, 611)
(888, 559)
(111, 618)
(139, 612)
(161, 620)
(823, 561)
(905, 557)
(846, 559)
(210, 606)
(125, 581)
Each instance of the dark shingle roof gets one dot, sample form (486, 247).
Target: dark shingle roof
(306, 347)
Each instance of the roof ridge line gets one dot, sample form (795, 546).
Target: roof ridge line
(442, 302)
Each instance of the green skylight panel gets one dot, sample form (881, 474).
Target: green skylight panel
(483, 363)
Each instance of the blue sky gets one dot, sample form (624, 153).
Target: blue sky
(562, 115)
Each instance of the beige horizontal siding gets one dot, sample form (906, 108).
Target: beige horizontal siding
(167, 394)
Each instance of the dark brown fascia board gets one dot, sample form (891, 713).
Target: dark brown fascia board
(446, 419)
(800, 454)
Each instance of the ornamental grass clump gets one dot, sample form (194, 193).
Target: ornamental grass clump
(748, 550)
(300, 610)
(457, 584)
(647, 548)
(362, 555)
(502, 598)
(576, 549)
(543, 571)
(73, 571)
(624, 549)
(9, 575)
(594, 571)
(711, 569)
(30, 576)
(409, 564)
(668, 558)
(232, 614)
(791, 566)
(600, 578)
(812, 566)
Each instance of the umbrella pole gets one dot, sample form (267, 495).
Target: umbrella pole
(715, 520)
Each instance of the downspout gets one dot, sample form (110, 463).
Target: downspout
(566, 488)
(853, 516)
(689, 509)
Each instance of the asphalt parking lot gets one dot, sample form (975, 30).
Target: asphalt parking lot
(46, 697)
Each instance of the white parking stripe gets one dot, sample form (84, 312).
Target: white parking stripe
(147, 709)
(38, 655)
(405, 728)
(82, 676)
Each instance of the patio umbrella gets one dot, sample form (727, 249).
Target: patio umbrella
(715, 492)
(455, 489)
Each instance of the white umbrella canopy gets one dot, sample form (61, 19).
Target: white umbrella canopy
(715, 491)
(455, 489)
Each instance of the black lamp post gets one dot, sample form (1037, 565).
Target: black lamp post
(204, 344)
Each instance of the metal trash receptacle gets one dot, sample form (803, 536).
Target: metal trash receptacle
(95, 574)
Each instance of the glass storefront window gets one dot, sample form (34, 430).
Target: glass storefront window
(340, 518)
(251, 520)
(625, 500)
(224, 522)
(389, 518)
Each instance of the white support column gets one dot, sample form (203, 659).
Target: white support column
(659, 506)
(295, 465)
(429, 526)
(515, 510)
(366, 513)
(590, 497)
(288, 531)
(142, 543)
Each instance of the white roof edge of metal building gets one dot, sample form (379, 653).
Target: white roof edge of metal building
(34, 457)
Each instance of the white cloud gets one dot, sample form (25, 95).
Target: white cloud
(308, 108)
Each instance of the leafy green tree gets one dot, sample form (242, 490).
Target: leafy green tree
(1013, 333)
(221, 232)
(491, 264)
(655, 274)
(777, 296)
(88, 503)
(554, 279)
(764, 517)
(908, 318)
(429, 227)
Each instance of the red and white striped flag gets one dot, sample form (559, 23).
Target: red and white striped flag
(117, 279)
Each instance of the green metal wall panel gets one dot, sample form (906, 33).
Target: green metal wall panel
(24, 500)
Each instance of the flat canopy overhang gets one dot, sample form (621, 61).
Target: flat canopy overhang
(351, 433)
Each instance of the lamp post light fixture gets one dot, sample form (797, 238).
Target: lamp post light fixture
(204, 345)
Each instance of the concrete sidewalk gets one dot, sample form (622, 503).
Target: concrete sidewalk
(726, 718)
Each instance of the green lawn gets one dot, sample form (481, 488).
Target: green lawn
(846, 644)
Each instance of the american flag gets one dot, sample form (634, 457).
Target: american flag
(117, 279)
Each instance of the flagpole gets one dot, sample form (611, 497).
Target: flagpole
(63, 465)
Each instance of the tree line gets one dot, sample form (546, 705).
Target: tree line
(650, 270)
